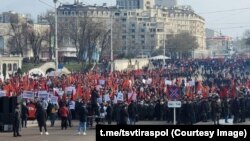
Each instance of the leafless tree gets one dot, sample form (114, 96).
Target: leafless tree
(49, 19)
(181, 45)
(17, 42)
(36, 38)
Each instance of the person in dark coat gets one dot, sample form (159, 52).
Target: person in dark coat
(109, 111)
(235, 110)
(216, 110)
(53, 114)
(83, 114)
(41, 115)
(123, 115)
(132, 112)
(190, 112)
(225, 109)
(94, 96)
(242, 109)
(157, 111)
(16, 121)
(24, 115)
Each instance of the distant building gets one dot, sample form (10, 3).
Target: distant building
(135, 4)
(6, 32)
(166, 3)
(141, 30)
(5, 16)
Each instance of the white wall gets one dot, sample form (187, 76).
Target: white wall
(120, 65)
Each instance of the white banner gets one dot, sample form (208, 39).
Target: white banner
(54, 99)
(69, 90)
(2, 93)
(28, 95)
(101, 82)
(119, 96)
(168, 82)
(43, 95)
(106, 98)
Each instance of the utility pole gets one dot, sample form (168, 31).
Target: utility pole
(111, 43)
(164, 48)
(56, 43)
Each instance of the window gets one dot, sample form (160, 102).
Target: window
(133, 36)
(143, 36)
(152, 36)
(15, 67)
(125, 14)
(142, 42)
(160, 30)
(1, 42)
(142, 30)
(123, 36)
(72, 12)
(124, 20)
(9, 67)
(133, 30)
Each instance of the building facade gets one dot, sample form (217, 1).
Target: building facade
(136, 30)
(166, 3)
(135, 4)
(10, 65)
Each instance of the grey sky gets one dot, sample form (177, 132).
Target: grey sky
(232, 23)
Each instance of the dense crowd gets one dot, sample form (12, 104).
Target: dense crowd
(209, 89)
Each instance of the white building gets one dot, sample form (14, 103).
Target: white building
(135, 4)
(166, 3)
(136, 30)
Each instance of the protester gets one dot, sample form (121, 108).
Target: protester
(83, 113)
(53, 114)
(41, 116)
(24, 115)
(64, 113)
(16, 121)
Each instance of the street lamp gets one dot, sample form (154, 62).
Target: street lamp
(56, 44)
(164, 49)
(111, 42)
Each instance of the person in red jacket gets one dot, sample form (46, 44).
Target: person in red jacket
(64, 113)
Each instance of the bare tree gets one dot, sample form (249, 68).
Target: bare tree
(49, 19)
(181, 45)
(35, 38)
(17, 42)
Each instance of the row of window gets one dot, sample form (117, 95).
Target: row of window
(81, 13)
(128, 3)
(133, 36)
(10, 67)
(150, 30)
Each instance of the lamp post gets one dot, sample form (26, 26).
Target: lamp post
(56, 44)
(164, 50)
(111, 43)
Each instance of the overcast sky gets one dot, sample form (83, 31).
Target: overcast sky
(228, 19)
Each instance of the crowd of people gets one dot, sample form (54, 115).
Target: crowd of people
(209, 89)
